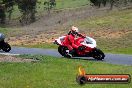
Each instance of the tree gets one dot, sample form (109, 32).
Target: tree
(28, 10)
(117, 3)
(2, 13)
(98, 2)
(9, 7)
(49, 5)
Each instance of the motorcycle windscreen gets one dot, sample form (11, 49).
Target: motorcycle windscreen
(89, 42)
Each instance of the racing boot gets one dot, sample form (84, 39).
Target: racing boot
(70, 54)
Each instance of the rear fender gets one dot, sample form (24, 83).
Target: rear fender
(59, 40)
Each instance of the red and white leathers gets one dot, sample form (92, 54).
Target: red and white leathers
(69, 41)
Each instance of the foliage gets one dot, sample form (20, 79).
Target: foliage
(28, 9)
(9, 7)
(49, 5)
(117, 3)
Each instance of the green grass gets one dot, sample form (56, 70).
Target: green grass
(10, 32)
(119, 51)
(62, 4)
(118, 45)
(3, 30)
(113, 20)
(115, 46)
(53, 72)
(6, 31)
(45, 45)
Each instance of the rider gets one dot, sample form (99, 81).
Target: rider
(69, 40)
(2, 37)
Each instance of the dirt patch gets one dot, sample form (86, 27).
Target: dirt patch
(49, 37)
(37, 39)
(14, 59)
(112, 34)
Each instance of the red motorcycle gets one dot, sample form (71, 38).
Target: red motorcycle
(88, 44)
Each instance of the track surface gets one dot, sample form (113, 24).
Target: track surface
(110, 58)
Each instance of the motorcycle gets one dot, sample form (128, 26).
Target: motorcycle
(89, 48)
(5, 46)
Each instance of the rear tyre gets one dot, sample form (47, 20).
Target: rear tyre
(98, 54)
(6, 47)
(62, 50)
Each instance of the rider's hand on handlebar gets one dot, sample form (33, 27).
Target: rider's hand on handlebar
(83, 36)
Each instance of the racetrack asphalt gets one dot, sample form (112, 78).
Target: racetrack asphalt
(109, 58)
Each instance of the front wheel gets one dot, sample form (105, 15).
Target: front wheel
(6, 47)
(98, 54)
(63, 51)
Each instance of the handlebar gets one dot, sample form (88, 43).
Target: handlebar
(80, 35)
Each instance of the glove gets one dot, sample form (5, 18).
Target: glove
(80, 48)
(83, 36)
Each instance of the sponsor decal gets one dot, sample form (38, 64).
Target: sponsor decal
(83, 78)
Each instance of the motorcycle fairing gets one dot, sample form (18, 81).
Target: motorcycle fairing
(89, 42)
(60, 39)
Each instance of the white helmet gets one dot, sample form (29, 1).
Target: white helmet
(74, 29)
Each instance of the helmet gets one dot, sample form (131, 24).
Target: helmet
(2, 37)
(74, 30)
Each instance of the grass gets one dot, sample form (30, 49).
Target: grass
(3, 30)
(45, 45)
(60, 4)
(52, 72)
(119, 51)
(120, 45)
(6, 31)
(112, 20)
(10, 32)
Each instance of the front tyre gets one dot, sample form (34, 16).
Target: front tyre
(98, 54)
(62, 50)
(6, 47)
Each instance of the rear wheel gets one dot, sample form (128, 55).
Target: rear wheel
(98, 54)
(62, 50)
(6, 47)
